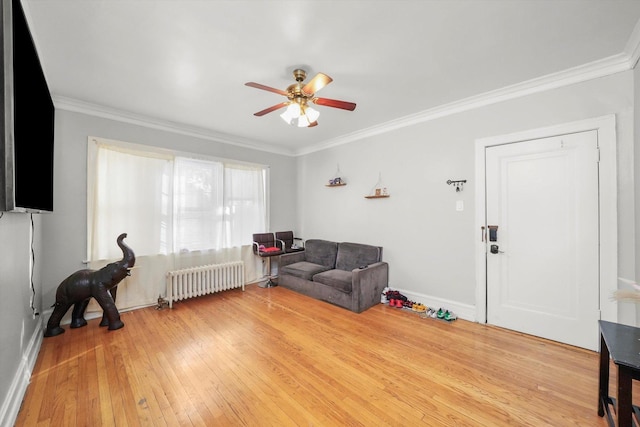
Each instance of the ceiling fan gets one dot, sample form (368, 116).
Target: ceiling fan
(299, 96)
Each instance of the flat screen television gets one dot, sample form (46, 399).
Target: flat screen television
(27, 122)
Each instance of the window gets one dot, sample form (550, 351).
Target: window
(170, 203)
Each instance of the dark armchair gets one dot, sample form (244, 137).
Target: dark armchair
(287, 242)
(265, 246)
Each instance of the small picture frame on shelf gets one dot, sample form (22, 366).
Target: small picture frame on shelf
(379, 190)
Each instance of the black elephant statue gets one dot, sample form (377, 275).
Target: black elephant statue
(81, 286)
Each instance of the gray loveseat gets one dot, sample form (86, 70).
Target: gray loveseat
(349, 275)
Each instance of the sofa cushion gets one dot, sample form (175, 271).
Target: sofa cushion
(322, 252)
(303, 269)
(354, 255)
(338, 279)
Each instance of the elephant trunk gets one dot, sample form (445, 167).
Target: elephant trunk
(128, 257)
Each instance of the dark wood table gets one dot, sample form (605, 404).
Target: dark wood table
(622, 343)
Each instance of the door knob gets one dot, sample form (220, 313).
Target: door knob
(496, 250)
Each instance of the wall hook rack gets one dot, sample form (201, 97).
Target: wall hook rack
(459, 184)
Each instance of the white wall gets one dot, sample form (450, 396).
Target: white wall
(636, 176)
(20, 332)
(428, 244)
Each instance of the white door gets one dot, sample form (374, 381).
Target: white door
(543, 271)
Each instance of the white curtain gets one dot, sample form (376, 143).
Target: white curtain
(243, 215)
(131, 194)
(177, 212)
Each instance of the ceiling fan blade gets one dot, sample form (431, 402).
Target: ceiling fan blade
(335, 103)
(270, 89)
(270, 109)
(315, 84)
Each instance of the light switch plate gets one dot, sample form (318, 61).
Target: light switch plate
(459, 205)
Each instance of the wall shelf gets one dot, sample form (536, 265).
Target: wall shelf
(379, 191)
(337, 180)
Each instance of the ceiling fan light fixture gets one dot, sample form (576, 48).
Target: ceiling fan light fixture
(291, 113)
(312, 114)
(303, 122)
(298, 112)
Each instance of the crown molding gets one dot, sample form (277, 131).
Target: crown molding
(75, 105)
(601, 68)
(632, 48)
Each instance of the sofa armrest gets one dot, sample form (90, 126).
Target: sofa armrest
(290, 258)
(368, 284)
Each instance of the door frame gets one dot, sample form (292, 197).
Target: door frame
(608, 198)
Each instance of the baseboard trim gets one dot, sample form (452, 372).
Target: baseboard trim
(11, 406)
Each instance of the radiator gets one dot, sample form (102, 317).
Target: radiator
(206, 279)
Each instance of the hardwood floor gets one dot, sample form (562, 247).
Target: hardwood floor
(271, 357)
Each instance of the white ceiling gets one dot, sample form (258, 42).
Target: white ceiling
(183, 63)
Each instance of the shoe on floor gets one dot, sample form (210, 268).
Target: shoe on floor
(420, 308)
